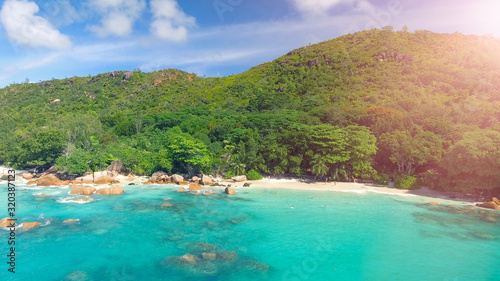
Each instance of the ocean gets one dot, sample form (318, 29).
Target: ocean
(257, 234)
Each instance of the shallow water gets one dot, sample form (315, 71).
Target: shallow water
(255, 235)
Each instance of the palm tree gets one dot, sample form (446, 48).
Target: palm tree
(339, 172)
(319, 168)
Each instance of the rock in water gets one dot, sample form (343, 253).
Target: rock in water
(5, 222)
(194, 187)
(490, 205)
(115, 190)
(434, 203)
(29, 225)
(182, 190)
(229, 191)
(71, 220)
(83, 190)
(48, 180)
(166, 205)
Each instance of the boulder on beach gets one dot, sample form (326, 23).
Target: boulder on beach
(183, 183)
(206, 180)
(239, 178)
(48, 180)
(176, 178)
(103, 177)
(496, 200)
(27, 176)
(29, 225)
(5, 222)
(194, 187)
(83, 190)
(31, 183)
(229, 191)
(195, 179)
(115, 167)
(4, 176)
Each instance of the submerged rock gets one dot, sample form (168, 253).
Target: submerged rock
(166, 205)
(209, 256)
(188, 258)
(71, 220)
(228, 256)
(77, 276)
(483, 236)
(87, 199)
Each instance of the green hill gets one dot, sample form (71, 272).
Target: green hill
(376, 104)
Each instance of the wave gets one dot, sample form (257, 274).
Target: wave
(391, 193)
(67, 200)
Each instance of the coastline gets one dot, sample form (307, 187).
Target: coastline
(306, 185)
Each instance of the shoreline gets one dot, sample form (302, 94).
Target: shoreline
(424, 193)
(306, 185)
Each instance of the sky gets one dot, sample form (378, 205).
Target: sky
(45, 39)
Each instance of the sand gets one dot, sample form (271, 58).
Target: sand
(297, 184)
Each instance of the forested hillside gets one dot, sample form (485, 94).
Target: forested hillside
(419, 108)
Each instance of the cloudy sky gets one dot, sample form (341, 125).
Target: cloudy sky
(45, 39)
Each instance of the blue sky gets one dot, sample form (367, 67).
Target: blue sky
(41, 40)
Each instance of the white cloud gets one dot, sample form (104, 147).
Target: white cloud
(169, 21)
(23, 27)
(322, 7)
(118, 16)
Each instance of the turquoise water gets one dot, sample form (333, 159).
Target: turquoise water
(129, 237)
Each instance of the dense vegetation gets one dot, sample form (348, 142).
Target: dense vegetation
(417, 108)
